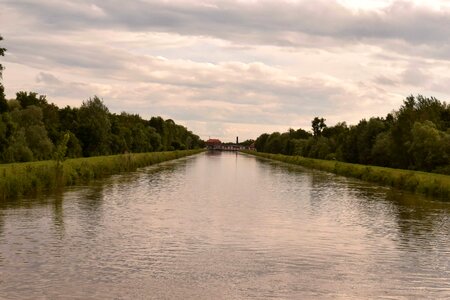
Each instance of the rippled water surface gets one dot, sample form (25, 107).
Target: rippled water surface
(225, 226)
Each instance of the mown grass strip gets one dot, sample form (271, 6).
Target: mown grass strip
(20, 179)
(431, 184)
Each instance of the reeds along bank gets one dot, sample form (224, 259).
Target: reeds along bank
(20, 179)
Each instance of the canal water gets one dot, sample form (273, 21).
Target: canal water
(225, 226)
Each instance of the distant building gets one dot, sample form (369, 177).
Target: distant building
(214, 144)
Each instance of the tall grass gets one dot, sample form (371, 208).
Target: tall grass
(19, 179)
(419, 182)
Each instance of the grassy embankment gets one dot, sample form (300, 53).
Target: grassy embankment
(414, 181)
(31, 178)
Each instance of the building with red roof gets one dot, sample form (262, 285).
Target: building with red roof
(214, 144)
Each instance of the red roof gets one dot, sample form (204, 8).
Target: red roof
(213, 141)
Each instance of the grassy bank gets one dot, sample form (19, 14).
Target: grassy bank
(418, 182)
(30, 178)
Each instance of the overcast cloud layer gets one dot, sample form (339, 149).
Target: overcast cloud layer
(228, 68)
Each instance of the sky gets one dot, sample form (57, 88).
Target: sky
(233, 67)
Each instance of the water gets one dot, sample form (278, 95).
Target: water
(225, 226)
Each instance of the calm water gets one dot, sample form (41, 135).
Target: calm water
(226, 226)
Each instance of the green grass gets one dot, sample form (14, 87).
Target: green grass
(20, 179)
(419, 182)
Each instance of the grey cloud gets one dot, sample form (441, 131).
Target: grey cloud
(47, 78)
(262, 22)
(50, 85)
(229, 92)
(210, 113)
(384, 80)
(44, 52)
(415, 76)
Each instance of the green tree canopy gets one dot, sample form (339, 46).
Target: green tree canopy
(94, 129)
(429, 147)
(318, 126)
(417, 136)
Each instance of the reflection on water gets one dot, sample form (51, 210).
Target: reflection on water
(58, 216)
(225, 225)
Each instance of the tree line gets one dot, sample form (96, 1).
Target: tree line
(415, 137)
(32, 129)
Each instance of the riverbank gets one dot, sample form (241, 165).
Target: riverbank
(418, 182)
(20, 179)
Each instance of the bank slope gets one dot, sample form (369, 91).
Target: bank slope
(431, 184)
(20, 179)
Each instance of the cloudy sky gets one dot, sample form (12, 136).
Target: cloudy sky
(230, 67)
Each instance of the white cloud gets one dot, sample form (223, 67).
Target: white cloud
(231, 67)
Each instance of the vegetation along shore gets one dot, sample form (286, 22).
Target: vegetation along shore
(415, 181)
(415, 137)
(19, 179)
(408, 149)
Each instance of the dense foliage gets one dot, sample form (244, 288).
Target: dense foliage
(33, 129)
(416, 137)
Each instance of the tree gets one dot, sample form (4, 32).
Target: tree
(18, 150)
(274, 143)
(50, 112)
(247, 143)
(317, 126)
(173, 136)
(38, 141)
(68, 118)
(51, 122)
(299, 146)
(2, 53)
(348, 147)
(260, 142)
(94, 130)
(415, 109)
(3, 103)
(367, 132)
(336, 137)
(382, 150)
(155, 139)
(298, 134)
(130, 133)
(4, 131)
(73, 146)
(26, 99)
(318, 148)
(429, 146)
(30, 123)
(61, 148)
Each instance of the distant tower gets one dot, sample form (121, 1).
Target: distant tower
(237, 140)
